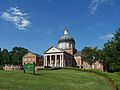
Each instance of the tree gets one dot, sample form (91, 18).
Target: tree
(0, 57)
(90, 54)
(5, 57)
(111, 52)
(16, 55)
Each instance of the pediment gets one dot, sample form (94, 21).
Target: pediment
(53, 50)
(29, 54)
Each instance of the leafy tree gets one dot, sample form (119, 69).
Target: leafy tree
(90, 54)
(111, 52)
(16, 55)
(5, 57)
(0, 57)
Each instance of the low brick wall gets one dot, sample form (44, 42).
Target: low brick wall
(11, 67)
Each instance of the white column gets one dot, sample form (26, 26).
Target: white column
(55, 59)
(62, 61)
(80, 63)
(50, 61)
(44, 60)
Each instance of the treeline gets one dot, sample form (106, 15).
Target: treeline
(109, 55)
(12, 57)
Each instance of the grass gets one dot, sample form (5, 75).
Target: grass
(52, 80)
(115, 77)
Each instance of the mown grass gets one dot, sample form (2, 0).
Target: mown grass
(115, 77)
(52, 80)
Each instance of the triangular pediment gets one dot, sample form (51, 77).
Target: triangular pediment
(53, 50)
(29, 54)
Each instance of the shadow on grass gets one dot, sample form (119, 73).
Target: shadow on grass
(37, 74)
(30, 73)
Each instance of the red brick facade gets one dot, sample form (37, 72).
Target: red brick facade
(30, 58)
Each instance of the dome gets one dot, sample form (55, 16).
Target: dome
(66, 38)
(66, 41)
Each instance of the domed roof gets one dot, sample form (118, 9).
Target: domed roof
(66, 38)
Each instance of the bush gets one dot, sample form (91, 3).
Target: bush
(1, 67)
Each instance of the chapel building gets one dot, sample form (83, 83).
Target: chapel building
(66, 55)
(63, 56)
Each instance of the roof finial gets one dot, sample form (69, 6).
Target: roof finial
(66, 30)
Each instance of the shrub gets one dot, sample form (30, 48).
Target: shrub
(1, 67)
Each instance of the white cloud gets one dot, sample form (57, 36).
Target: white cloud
(107, 37)
(17, 17)
(94, 5)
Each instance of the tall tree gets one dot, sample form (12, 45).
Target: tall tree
(16, 55)
(5, 57)
(90, 55)
(111, 52)
(0, 57)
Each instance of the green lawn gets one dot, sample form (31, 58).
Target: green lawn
(115, 77)
(52, 80)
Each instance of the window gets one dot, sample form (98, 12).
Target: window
(25, 59)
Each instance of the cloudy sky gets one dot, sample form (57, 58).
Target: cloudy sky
(38, 24)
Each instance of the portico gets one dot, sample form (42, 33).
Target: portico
(54, 57)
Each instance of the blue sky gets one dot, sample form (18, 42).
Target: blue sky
(38, 24)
